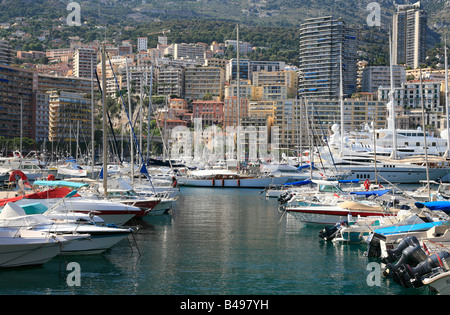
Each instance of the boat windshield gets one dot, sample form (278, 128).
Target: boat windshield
(330, 188)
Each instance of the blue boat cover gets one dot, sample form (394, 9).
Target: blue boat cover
(54, 183)
(302, 182)
(407, 228)
(435, 205)
(301, 167)
(371, 192)
(344, 181)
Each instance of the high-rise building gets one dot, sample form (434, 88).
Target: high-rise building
(322, 42)
(69, 115)
(82, 62)
(142, 43)
(6, 53)
(409, 35)
(18, 88)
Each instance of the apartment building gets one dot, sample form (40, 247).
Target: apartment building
(408, 101)
(275, 85)
(232, 113)
(189, 51)
(170, 81)
(84, 60)
(375, 76)
(211, 112)
(142, 43)
(322, 42)
(409, 35)
(6, 53)
(18, 88)
(204, 81)
(244, 47)
(69, 115)
(245, 89)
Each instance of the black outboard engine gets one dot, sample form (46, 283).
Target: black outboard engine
(373, 244)
(285, 197)
(329, 233)
(395, 254)
(412, 255)
(409, 276)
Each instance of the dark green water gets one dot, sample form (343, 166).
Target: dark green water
(216, 242)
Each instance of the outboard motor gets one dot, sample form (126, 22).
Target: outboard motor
(412, 255)
(395, 254)
(409, 276)
(329, 233)
(373, 244)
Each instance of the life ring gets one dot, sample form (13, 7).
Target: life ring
(12, 176)
(51, 177)
(367, 184)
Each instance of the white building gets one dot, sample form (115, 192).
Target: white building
(142, 43)
(375, 76)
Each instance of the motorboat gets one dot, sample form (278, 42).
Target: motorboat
(111, 212)
(100, 238)
(19, 247)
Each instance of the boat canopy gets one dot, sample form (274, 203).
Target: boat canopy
(59, 183)
(435, 205)
(301, 167)
(299, 183)
(371, 192)
(347, 181)
(397, 229)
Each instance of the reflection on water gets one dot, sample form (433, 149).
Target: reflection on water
(217, 241)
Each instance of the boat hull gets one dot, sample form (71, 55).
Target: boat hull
(13, 253)
(234, 183)
(327, 215)
(98, 241)
(440, 283)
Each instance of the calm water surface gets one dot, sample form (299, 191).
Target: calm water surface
(216, 242)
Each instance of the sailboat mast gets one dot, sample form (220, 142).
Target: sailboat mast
(92, 119)
(105, 157)
(131, 126)
(424, 135)
(446, 98)
(342, 101)
(392, 101)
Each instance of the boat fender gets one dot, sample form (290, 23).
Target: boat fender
(409, 276)
(238, 182)
(212, 182)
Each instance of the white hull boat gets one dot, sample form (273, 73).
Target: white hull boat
(27, 249)
(329, 214)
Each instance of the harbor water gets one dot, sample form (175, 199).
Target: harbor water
(215, 242)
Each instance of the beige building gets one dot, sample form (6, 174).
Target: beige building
(204, 81)
(69, 115)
